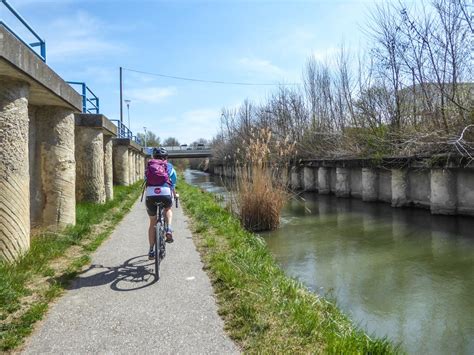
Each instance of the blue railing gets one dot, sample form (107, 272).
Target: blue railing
(124, 132)
(90, 103)
(41, 43)
(137, 140)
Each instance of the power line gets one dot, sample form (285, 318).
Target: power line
(208, 81)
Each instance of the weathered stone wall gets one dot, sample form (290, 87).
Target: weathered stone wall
(108, 168)
(90, 182)
(14, 169)
(55, 137)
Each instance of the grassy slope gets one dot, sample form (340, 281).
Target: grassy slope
(27, 286)
(264, 310)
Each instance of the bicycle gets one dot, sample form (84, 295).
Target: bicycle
(160, 242)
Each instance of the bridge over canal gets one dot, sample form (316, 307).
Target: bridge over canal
(180, 152)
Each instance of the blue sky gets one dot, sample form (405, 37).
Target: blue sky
(245, 41)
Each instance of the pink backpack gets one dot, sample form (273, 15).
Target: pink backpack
(157, 173)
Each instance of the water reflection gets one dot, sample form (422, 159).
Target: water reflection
(401, 273)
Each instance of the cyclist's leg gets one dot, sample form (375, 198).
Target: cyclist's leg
(151, 209)
(151, 230)
(169, 216)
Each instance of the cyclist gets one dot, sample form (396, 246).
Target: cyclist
(160, 178)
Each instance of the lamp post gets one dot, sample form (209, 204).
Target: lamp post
(128, 114)
(145, 136)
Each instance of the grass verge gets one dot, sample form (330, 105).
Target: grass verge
(41, 275)
(264, 310)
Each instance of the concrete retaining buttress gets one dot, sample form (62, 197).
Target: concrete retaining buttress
(309, 179)
(94, 157)
(443, 192)
(323, 181)
(55, 135)
(399, 188)
(343, 188)
(121, 165)
(295, 181)
(90, 170)
(369, 184)
(131, 167)
(108, 168)
(14, 169)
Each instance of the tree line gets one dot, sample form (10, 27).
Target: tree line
(152, 140)
(411, 92)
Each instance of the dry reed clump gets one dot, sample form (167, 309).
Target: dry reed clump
(259, 196)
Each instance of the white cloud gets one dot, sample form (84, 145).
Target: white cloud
(79, 35)
(326, 54)
(201, 115)
(298, 42)
(260, 66)
(150, 95)
(187, 126)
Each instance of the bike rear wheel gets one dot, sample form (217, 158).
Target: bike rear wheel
(157, 252)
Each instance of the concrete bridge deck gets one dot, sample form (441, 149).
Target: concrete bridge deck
(195, 153)
(115, 308)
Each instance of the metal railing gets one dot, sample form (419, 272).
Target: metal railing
(90, 103)
(124, 132)
(137, 140)
(188, 147)
(41, 43)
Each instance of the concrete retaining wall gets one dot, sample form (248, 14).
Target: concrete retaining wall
(410, 182)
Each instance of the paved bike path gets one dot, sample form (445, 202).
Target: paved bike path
(105, 311)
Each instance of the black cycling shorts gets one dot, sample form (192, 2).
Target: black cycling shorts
(151, 203)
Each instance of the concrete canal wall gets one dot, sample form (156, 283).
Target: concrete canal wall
(51, 155)
(445, 187)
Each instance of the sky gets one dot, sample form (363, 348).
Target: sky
(252, 41)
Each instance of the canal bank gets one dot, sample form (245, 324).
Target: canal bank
(401, 273)
(264, 310)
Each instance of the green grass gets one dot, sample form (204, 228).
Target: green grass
(20, 279)
(264, 310)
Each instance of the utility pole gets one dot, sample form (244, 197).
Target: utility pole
(121, 102)
(145, 136)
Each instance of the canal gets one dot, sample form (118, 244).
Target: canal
(399, 273)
